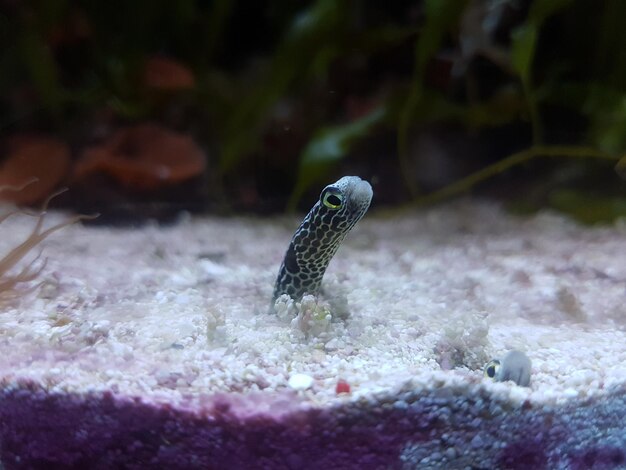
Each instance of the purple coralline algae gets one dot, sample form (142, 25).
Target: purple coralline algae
(449, 427)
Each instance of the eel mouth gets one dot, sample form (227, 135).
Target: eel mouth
(361, 193)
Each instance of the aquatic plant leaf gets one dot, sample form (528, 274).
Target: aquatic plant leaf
(523, 50)
(331, 143)
(620, 167)
(441, 16)
(609, 122)
(374, 39)
(307, 43)
(41, 67)
(588, 208)
(219, 13)
(510, 161)
(524, 44)
(525, 37)
(541, 10)
(502, 108)
(609, 66)
(328, 146)
(601, 104)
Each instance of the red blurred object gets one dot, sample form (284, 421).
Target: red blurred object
(165, 74)
(342, 387)
(143, 157)
(42, 160)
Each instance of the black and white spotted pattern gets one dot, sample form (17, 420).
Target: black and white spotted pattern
(317, 239)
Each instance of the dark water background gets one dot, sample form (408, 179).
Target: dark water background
(254, 106)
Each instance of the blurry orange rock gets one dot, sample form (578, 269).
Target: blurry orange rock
(143, 157)
(29, 158)
(166, 74)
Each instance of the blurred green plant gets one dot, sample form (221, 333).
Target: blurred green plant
(309, 46)
(552, 65)
(326, 148)
(316, 38)
(523, 50)
(588, 207)
(441, 16)
(510, 161)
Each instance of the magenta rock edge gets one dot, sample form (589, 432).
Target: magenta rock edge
(448, 427)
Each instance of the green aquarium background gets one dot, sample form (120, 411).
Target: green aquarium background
(519, 100)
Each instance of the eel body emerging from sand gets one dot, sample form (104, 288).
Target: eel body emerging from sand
(340, 206)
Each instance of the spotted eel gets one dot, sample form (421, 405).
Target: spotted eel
(340, 206)
(515, 366)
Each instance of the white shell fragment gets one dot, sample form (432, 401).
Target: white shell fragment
(300, 381)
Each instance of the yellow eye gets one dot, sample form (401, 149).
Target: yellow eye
(491, 369)
(332, 198)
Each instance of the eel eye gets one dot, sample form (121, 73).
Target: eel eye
(491, 369)
(332, 198)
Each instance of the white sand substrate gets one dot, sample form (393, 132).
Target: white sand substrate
(179, 313)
